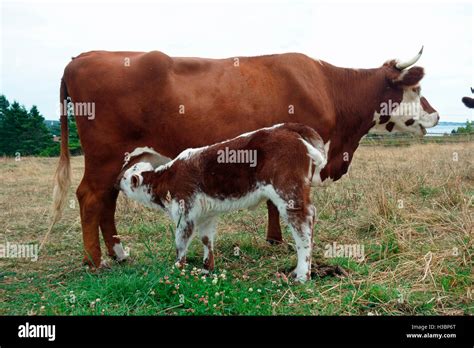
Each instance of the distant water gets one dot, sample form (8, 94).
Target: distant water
(445, 127)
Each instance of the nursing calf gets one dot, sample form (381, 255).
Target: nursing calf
(276, 163)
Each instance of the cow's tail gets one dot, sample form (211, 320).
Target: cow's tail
(62, 177)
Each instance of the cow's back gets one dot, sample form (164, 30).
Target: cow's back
(151, 99)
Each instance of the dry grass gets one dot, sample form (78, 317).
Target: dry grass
(410, 207)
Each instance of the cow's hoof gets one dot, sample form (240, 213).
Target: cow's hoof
(104, 265)
(274, 241)
(90, 263)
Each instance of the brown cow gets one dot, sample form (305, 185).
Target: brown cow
(170, 104)
(276, 163)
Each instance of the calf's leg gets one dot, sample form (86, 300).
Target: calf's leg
(207, 231)
(184, 234)
(301, 226)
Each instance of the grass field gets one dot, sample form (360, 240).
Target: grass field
(410, 208)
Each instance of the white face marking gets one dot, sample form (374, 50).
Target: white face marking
(139, 193)
(408, 110)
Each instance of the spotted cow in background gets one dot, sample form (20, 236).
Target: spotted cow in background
(469, 102)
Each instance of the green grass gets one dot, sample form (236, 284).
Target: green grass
(418, 256)
(252, 283)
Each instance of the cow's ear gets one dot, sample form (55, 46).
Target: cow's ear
(409, 77)
(135, 181)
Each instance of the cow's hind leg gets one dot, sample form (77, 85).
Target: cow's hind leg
(108, 228)
(207, 231)
(91, 207)
(273, 229)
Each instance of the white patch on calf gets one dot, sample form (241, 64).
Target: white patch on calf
(183, 156)
(317, 181)
(120, 253)
(137, 152)
(188, 153)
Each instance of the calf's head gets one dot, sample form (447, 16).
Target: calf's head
(403, 107)
(131, 183)
(130, 179)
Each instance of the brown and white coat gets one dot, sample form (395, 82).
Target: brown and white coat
(202, 183)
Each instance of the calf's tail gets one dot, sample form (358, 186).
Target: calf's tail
(317, 151)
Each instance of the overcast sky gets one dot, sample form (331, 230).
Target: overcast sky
(39, 38)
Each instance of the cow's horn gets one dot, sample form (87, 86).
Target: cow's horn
(404, 65)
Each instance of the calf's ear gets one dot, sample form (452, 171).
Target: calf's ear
(135, 181)
(409, 77)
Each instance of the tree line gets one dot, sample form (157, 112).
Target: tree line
(25, 132)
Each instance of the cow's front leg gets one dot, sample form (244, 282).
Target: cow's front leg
(184, 234)
(273, 228)
(108, 228)
(207, 230)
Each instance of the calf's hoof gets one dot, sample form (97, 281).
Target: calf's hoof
(181, 263)
(92, 263)
(121, 254)
(299, 277)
